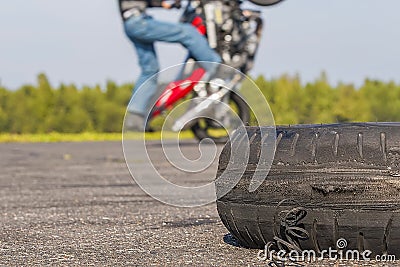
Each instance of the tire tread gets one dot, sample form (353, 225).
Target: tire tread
(359, 154)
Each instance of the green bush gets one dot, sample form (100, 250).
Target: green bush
(42, 108)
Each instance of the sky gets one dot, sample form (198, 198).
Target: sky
(82, 41)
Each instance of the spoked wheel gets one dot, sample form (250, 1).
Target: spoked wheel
(266, 2)
(207, 128)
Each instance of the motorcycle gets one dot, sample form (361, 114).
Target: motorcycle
(233, 32)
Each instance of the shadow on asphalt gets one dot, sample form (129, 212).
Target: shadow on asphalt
(231, 240)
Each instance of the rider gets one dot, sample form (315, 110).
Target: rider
(143, 31)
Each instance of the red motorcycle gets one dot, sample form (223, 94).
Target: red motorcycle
(235, 34)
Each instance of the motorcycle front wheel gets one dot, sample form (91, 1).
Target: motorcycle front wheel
(265, 2)
(206, 128)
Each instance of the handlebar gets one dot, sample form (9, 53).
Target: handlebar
(177, 4)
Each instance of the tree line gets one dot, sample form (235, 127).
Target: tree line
(319, 102)
(42, 108)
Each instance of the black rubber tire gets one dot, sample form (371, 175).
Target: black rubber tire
(266, 2)
(243, 112)
(345, 176)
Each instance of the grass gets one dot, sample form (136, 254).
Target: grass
(85, 137)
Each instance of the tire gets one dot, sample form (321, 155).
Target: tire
(202, 131)
(266, 2)
(326, 182)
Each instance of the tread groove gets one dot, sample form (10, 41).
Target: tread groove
(335, 232)
(263, 140)
(294, 144)
(236, 234)
(264, 240)
(336, 145)
(279, 138)
(360, 242)
(239, 235)
(360, 144)
(384, 146)
(314, 147)
(314, 237)
(253, 137)
(248, 234)
(226, 220)
(261, 234)
(239, 139)
(386, 234)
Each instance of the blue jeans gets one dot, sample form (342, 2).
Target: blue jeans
(143, 31)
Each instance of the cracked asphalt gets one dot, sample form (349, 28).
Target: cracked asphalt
(74, 204)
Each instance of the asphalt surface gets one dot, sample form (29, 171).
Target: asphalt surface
(74, 204)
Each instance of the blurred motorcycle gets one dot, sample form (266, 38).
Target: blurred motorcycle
(235, 33)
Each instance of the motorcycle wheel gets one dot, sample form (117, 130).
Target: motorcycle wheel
(205, 128)
(265, 2)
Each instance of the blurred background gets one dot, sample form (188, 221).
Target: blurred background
(66, 66)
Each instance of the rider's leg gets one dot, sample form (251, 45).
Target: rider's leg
(146, 85)
(152, 30)
(148, 62)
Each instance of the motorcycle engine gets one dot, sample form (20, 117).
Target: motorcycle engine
(238, 34)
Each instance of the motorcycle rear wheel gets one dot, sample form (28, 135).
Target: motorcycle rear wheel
(204, 128)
